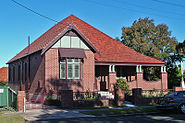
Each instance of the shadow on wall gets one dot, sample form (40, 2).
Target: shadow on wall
(55, 85)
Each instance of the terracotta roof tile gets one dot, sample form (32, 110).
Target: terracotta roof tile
(110, 49)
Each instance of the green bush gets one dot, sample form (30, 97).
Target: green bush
(52, 102)
(122, 84)
(3, 83)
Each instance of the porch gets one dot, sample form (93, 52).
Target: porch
(107, 75)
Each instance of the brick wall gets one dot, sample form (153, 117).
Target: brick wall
(54, 84)
(51, 69)
(4, 74)
(112, 80)
(165, 80)
(21, 96)
(34, 75)
(149, 85)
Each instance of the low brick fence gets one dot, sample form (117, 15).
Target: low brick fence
(89, 99)
(21, 96)
(139, 96)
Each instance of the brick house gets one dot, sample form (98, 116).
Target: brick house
(74, 55)
(4, 74)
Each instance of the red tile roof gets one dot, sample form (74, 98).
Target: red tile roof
(4, 74)
(110, 49)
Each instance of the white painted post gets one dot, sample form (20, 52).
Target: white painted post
(113, 66)
(110, 68)
(162, 69)
(140, 68)
(24, 105)
(137, 68)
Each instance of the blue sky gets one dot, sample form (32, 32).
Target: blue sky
(109, 16)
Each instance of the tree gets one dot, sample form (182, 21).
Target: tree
(149, 39)
(154, 41)
(118, 39)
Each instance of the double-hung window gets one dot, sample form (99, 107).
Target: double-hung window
(70, 68)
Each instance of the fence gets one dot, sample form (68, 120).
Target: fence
(85, 95)
(156, 93)
(35, 100)
(8, 97)
(94, 95)
(146, 96)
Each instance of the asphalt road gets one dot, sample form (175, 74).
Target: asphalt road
(154, 118)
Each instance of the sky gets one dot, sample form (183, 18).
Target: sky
(109, 16)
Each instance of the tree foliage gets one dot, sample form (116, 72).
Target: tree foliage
(3, 83)
(149, 39)
(121, 84)
(154, 41)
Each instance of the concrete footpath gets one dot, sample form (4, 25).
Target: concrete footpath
(50, 114)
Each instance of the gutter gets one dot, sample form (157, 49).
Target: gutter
(129, 62)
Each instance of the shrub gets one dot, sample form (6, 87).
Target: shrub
(3, 83)
(122, 84)
(52, 102)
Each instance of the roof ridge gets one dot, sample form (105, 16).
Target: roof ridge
(123, 45)
(99, 39)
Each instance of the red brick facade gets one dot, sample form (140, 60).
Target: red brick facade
(44, 75)
(4, 74)
(21, 96)
(52, 73)
(149, 85)
(37, 67)
(112, 80)
(30, 73)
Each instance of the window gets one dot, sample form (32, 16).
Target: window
(70, 68)
(70, 42)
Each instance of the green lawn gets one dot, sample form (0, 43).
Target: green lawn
(119, 111)
(100, 107)
(12, 119)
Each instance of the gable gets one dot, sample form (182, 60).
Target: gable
(70, 40)
(106, 49)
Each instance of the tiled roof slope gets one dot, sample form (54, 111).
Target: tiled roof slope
(4, 74)
(110, 49)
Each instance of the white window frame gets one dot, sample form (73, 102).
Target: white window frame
(73, 63)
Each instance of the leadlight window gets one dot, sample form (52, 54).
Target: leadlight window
(71, 66)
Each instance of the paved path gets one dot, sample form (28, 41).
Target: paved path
(46, 114)
(49, 114)
(155, 118)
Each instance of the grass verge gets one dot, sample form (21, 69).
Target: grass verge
(101, 107)
(12, 119)
(119, 111)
